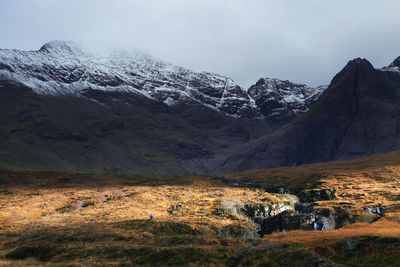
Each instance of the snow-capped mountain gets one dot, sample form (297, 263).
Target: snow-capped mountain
(65, 108)
(277, 98)
(61, 67)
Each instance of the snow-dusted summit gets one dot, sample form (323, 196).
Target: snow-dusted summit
(279, 99)
(61, 67)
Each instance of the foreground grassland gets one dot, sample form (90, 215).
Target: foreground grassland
(61, 219)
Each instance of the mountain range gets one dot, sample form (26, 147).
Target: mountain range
(66, 108)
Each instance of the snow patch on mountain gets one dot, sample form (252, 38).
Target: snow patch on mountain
(391, 69)
(169, 102)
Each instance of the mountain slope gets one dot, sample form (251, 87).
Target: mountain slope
(64, 108)
(115, 131)
(358, 115)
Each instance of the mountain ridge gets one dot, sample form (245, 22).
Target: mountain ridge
(61, 67)
(62, 108)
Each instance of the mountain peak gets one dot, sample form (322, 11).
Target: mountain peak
(358, 64)
(60, 45)
(360, 61)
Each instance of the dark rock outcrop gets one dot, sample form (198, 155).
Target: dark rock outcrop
(285, 221)
(304, 219)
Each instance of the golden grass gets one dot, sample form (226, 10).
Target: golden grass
(38, 204)
(44, 208)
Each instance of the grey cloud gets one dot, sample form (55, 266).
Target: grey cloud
(304, 41)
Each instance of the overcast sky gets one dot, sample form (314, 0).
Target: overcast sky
(300, 40)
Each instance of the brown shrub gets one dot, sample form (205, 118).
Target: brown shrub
(75, 206)
(116, 193)
(15, 216)
(101, 198)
